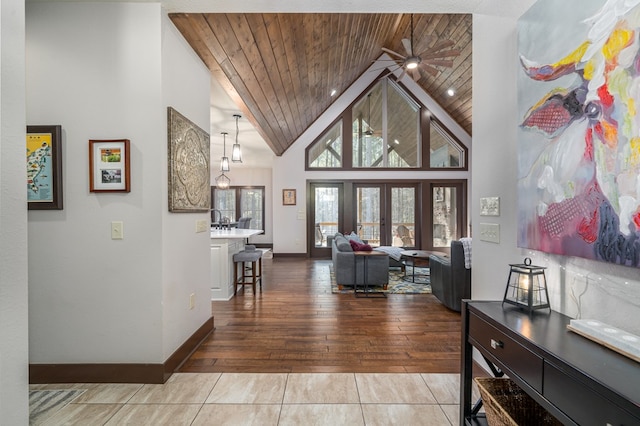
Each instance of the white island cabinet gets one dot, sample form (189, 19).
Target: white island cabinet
(224, 244)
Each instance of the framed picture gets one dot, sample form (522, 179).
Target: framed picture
(109, 166)
(44, 167)
(289, 197)
(189, 156)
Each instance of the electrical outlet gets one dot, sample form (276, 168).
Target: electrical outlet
(202, 225)
(192, 301)
(490, 232)
(117, 230)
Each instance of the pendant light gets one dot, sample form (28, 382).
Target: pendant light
(224, 162)
(222, 181)
(236, 153)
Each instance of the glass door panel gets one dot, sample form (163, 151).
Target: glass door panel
(326, 212)
(403, 216)
(369, 223)
(445, 215)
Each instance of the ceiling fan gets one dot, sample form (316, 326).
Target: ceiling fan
(438, 55)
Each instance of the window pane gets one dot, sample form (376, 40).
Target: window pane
(251, 200)
(326, 214)
(444, 151)
(404, 129)
(403, 208)
(327, 150)
(367, 130)
(368, 215)
(445, 212)
(225, 202)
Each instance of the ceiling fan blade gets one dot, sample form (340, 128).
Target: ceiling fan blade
(415, 74)
(407, 46)
(428, 68)
(442, 44)
(401, 76)
(439, 62)
(443, 54)
(391, 52)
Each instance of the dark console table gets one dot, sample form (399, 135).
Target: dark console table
(578, 381)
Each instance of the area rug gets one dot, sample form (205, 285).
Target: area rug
(43, 403)
(396, 284)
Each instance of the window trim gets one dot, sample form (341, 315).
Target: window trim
(448, 134)
(238, 203)
(426, 117)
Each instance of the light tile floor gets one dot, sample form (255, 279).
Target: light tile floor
(266, 399)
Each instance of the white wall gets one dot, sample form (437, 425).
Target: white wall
(577, 287)
(107, 71)
(14, 409)
(289, 169)
(185, 254)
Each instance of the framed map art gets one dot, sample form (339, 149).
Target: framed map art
(44, 167)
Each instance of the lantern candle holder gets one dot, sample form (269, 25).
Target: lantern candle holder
(527, 287)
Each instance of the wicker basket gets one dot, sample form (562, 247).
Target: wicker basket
(505, 404)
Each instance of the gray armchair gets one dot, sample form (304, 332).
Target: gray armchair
(450, 279)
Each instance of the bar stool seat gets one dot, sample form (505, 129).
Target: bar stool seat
(239, 259)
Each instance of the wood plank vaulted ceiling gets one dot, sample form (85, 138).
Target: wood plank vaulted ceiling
(281, 68)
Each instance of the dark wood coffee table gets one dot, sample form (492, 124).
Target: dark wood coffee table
(419, 258)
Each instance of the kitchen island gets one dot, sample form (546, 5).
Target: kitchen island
(224, 244)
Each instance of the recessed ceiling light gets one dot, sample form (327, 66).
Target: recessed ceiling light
(451, 92)
(333, 92)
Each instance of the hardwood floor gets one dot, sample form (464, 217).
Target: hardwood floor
(297, 325)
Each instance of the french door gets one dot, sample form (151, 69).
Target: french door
(326, 207)
(426, 214)
(386, 214)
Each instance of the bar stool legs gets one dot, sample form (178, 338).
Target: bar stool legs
(240, 279)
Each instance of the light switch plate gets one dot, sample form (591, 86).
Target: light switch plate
(117, 230)
(490, 232)
(202, 225)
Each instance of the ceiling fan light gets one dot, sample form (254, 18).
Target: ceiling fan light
(412, 63)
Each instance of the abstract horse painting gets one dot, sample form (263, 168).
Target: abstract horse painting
(579, 133)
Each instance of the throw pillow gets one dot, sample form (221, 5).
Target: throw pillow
(356, 246)
(354, 237)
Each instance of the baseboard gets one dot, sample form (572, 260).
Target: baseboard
(187, 348)
(120, 373)
(290, 255)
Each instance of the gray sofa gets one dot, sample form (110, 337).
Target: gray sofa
(349, 269)
(450, 279)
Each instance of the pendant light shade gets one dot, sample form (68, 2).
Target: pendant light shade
(222, 181)
(224, 161)
(236, 153)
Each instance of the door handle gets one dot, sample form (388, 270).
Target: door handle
(496, 344)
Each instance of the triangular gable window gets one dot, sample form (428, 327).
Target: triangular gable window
(389, 129)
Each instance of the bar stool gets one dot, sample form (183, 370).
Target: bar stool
(248, 255)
